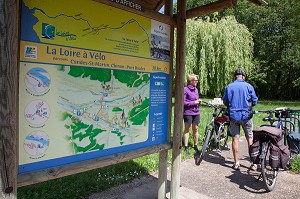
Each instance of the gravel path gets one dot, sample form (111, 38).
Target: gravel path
(214, 178)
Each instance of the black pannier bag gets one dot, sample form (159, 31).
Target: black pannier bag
(279, 155)
(267, 132)
(293, 140)
(274, 159)
(284, 156)
(254, 151)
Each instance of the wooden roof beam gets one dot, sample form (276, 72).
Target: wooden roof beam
(210, 8)
(159, 5)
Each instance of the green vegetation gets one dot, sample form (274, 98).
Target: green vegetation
(81, 185)
(295, 165)
(214, 50)
(275, 29)
(275, 58)
(84, 184)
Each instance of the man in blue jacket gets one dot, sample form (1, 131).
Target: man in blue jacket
(239, 96)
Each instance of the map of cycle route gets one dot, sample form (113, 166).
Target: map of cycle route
(87, 83)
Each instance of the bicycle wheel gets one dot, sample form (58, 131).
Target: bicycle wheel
(222, 138)
(205, 142)
(269, 174)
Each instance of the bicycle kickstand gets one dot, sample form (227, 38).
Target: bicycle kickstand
(260, 175)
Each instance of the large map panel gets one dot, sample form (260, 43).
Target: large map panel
(91, 84)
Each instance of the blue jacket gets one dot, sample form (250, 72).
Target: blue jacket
(239, 97)
(190, 96)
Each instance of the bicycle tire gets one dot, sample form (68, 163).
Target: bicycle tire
(223, 138)
(207, 136)
(269, 175)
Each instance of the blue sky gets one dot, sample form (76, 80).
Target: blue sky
(163, 8)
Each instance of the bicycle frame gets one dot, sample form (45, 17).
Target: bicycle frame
(269, 175)
(218, 123)
(219, 126)
(269, 179)
(281, 124)
(264, 150)
(215, 128)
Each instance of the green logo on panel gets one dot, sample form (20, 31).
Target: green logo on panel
(48, 31)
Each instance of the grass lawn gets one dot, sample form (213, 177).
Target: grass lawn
(79, 186)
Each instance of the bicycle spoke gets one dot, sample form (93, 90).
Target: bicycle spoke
(269, 174)
(222, 138)
(206, 139)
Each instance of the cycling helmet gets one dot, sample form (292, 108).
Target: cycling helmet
(239, 71)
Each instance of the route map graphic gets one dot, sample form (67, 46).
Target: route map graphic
(36, 143)
(109, 111)
(37, 112)
(37, 80)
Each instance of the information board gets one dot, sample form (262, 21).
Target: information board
(94, 81)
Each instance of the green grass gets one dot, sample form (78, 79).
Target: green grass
(81, 185)
(295, 165)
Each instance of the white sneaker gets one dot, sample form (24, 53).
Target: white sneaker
(255, 167)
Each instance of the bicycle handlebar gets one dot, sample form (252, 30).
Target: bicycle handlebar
(212, 105)
(278, 110)
(208, 104)
(282, 112)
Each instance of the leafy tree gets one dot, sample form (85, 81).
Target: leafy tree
(193, 4)
(276, 35)
(214, 50)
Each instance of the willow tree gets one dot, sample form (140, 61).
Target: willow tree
(215, 50)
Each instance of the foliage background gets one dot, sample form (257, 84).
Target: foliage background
(274, 70)
(215, 49)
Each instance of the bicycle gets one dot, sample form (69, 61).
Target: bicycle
(268, 173)
(214, 131)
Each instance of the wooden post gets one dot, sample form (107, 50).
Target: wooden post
(178, 111)
(163, 155)
(162, 174)
(9, 57)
